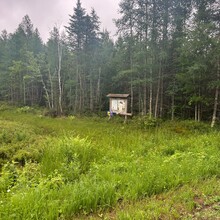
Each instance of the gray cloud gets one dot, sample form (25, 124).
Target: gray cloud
(45, 14)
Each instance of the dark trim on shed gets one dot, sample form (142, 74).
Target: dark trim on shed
(123, 96)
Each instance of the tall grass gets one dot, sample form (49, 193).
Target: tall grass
(84, 165)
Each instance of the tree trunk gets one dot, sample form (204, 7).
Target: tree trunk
(81, 93)
(164, 49)
(145, 96)
(76, 103)
(98, 95)
(196, 112)
(214, 115)
(158, 92)
(161, 96)
(146, 61)
(24, 90)
(199, 112)
(91, 92)
(11, 91)
(140, 101)
(173, 107)
(151, 92)
(46, 92)
(215, 107)
(131, 83)
(32, 93)
(59, 50)
(132, 95)
(51, 89)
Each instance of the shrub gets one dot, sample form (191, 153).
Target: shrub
(71, 156)
(51, 113)
(26, 109)
(8, 177)
(145, 122)
(4, 106)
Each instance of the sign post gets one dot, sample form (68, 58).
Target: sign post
(118, 104)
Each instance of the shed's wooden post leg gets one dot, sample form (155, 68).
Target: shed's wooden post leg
(126, 117)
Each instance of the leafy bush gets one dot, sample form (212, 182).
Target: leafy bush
(8, 177)
(5, 137)
(4, 106)
(188, 126)
(196, 126)
(71, 156)
(145, 122)
(26, 109)
(71, 117)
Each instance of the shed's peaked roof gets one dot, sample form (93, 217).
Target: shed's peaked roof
(118, 95)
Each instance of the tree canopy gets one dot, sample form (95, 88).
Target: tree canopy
(166, 57)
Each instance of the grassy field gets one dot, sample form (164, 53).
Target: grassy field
(92, 168)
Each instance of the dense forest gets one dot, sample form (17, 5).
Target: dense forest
(166, 56)
(159, 165)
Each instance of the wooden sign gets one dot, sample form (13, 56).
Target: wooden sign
(118, 103)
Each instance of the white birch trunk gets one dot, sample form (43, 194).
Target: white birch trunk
(151, 92)
(46, 92)
(158, 92)
(98, 88)
(59, 50)
(24, 91)
(51, 89)
(214, 115)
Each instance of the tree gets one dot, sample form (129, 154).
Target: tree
(55, 52)
(125, 26)
(84, 40)
(76, 28)
(5, 60)
(166, 56)
(23, 46)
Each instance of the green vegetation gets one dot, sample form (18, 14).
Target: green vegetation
(165, 55)
(167, 58)
(67, 168)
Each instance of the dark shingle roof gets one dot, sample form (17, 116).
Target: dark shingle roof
(118, 95)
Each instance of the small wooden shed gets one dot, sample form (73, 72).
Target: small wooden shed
(118, 103)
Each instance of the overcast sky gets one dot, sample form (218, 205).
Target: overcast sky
(44, 14)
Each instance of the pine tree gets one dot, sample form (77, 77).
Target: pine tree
(84, 39)
(200, 60)
(5, 60)
(76, 28)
